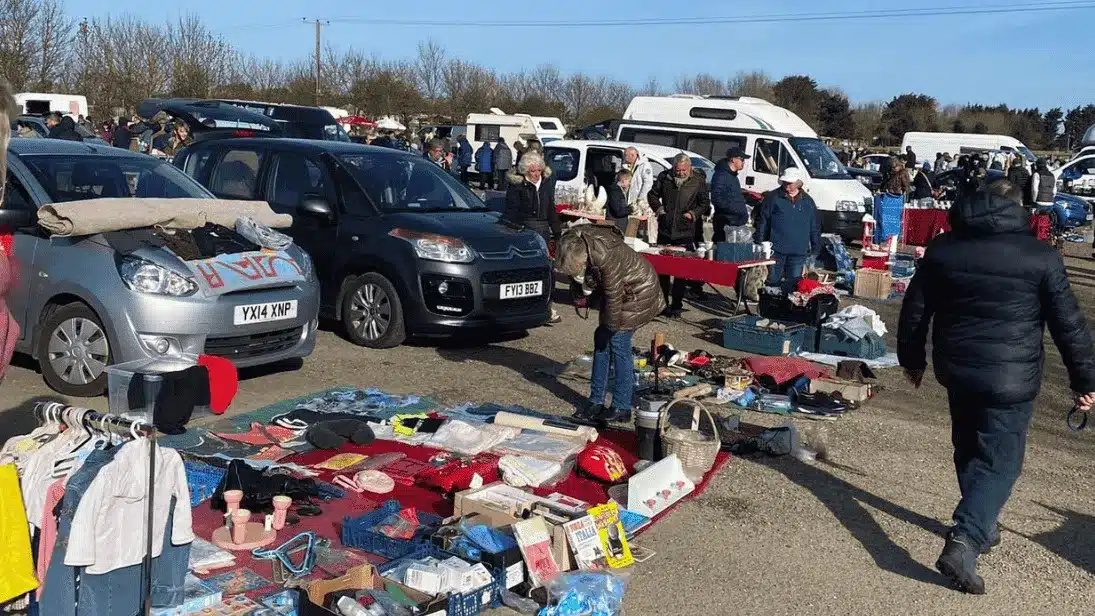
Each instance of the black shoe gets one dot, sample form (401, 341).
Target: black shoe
(590, 415)
(614, 415)
(958, 563)
(672, 313)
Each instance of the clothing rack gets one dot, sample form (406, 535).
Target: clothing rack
(86, 418)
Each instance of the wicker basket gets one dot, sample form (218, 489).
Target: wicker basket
(695, 446)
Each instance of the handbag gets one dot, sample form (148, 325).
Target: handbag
(18, 578)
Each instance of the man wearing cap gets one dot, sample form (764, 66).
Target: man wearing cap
(726, 194)
(788, 218)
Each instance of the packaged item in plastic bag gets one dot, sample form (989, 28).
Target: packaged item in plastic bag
(400, 525)
(586, 593)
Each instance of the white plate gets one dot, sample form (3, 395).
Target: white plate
(518, 290)
(265, 313)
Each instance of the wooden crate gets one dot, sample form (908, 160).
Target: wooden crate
(873, 284)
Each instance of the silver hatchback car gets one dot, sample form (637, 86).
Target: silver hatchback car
(84, 303)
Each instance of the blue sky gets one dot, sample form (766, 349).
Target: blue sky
(1022, 59)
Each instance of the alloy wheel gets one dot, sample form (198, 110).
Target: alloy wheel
(78, 351)
(371, 311)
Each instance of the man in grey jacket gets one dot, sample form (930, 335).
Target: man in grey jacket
(502, 163)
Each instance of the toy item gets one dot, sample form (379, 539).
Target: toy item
(611, 532)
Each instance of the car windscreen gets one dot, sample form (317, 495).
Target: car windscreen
(75, 178)
(820, 161)
(1027, 154)
(564, 162)
(403, 183)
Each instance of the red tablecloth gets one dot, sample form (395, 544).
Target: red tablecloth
(692, 268)
(921, 225)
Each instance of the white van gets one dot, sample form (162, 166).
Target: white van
(774, 137)
(927, 145)
(576, 163)
(513, 128)
(1077, 176)
(36, 103)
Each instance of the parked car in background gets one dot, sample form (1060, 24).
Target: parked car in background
(211, 120)
(400, 246)
(296, 121)
(576, 163)
(1067, 212)
(89, 302)
(871, 179)
(38, 124)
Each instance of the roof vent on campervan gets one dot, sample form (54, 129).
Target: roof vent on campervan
(723, 112)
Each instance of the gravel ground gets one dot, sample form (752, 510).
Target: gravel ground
(857, 533)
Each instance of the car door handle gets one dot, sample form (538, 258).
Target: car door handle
(749, 180)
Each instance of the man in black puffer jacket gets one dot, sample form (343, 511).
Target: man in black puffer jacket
(990, 287)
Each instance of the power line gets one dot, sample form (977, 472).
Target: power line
(747, 19)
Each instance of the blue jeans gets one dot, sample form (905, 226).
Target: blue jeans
(69, 591)
(788, 269)
(989, 444)
(615, 346)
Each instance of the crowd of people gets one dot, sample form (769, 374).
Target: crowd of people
(159, 135)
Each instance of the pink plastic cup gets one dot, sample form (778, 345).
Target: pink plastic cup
(232, 499)
(240, 517)
(281, 507)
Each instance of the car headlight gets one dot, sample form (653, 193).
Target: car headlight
(848, 206)
(436, 247)
(147, 277)
(542, 243)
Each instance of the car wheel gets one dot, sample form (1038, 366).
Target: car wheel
(372, 314)
(74, 351)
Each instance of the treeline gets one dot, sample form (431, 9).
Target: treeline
(117, 62)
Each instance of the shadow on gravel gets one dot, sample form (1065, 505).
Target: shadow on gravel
(1073, 540)
(20, 418)
(849, 504)
(524, 363)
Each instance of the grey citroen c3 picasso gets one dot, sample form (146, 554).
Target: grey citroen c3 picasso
(84, 303)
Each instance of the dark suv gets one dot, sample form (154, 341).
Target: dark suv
(399, 246)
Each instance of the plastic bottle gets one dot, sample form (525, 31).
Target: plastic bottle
(348, 607)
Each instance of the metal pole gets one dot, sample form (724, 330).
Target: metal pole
(148, 540)
(318, 28)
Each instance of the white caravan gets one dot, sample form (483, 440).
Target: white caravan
(36, 103)
(774, 137)
(927, 145)
(513, 128)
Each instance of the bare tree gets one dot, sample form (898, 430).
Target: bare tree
(702, 84)
(17, 45)
(651, 88)
(53, 34)
(546, 82)
(430, 68)
(753, 83)
(200, 59)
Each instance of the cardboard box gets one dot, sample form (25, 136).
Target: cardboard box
(873, 284)
(424, 604)
(495, 517)
(851, 390)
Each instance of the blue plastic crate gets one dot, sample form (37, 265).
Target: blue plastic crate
(358, 532)
(460, 604)
(833, 342)
(733, 253)
(742, 334)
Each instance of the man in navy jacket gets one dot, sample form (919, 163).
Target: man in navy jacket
(788, 218)
(726, 194)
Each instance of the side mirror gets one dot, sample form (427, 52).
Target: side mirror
(12, 218)
(318, 208)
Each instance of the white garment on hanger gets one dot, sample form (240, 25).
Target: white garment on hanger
(37, 473)
(109, 528)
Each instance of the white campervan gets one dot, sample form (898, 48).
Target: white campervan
(927, 145)
(36, 103)
(512, 127)
(774, 137)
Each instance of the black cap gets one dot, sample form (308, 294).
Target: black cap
(736, 152)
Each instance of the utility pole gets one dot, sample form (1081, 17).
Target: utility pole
(319, 67)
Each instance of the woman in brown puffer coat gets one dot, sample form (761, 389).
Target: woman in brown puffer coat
(605, 269)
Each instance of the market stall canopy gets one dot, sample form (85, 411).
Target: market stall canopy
(389, 124)
(356, 120)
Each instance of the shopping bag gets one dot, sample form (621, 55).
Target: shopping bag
(16, 559)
